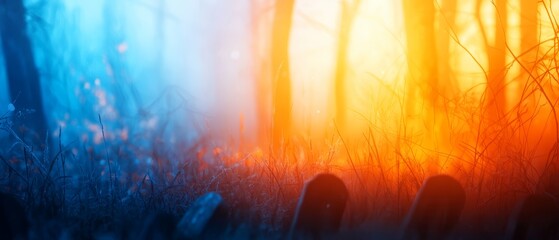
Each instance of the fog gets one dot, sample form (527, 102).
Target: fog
(195, 64)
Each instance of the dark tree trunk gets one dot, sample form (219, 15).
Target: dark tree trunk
(22, 74)
(281, 32)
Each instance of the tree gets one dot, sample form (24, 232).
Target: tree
(495, 93)
(115, 60)
(160, 20)
(446, 33)
(528, 34)
(346, 19)
(22, 73)
(261, 40)
(282, 102)
(422, 80)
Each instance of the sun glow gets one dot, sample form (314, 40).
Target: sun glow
(375, 59)
(377, 87)
(429, 115)
(249, 98)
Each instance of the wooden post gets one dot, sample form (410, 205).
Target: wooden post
(206, 218)
(536, 217)
(320, 208)
(435, 210)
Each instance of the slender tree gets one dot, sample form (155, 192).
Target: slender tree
(422, 80)
(117, 70)
(160, 38)
(446, 33)
(347, 15)
(23, 77)
(528, 33)
(496, 92)
(260, 40)
(282, 101)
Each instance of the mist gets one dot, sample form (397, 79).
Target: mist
(186, 62)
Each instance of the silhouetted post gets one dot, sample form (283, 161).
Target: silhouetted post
(13, 220)
(23, 77)
(206, 218)
(158, 226)
(552, 186)
(435, 210)
(537, 217)
(320, 208)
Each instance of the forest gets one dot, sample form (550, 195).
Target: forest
(118, 116)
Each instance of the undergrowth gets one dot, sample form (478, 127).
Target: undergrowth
(107, 181)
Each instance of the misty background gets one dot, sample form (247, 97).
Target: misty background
(192, 65)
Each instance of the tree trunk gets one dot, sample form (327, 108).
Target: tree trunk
(117, 71)
(496, 92)
(22, 74)
(280, 71)
(528, 35)
(447, 29)
(422, 81)
(160, 22)
(262, 78)
(346, 19)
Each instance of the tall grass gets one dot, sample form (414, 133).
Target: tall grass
(91, 188)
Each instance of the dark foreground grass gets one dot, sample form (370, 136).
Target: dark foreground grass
(111, 189)
(108, 184)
